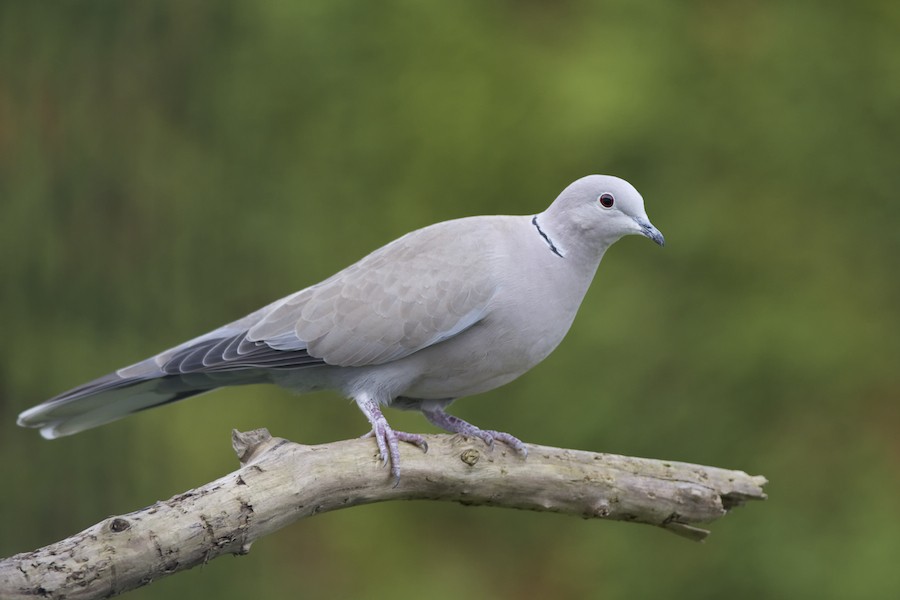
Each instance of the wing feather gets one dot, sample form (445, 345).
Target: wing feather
(417, 291)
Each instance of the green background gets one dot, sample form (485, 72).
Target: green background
(168, 166)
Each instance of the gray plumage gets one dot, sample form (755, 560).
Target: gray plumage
(450, 310)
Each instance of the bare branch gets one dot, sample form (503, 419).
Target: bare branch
(280, 482)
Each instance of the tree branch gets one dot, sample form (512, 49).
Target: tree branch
(280, 482)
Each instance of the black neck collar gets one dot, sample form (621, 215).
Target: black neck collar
(547, 239)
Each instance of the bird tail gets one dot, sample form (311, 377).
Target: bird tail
(221, 358)
(113, 397)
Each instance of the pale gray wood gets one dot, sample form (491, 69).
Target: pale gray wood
(281, 481)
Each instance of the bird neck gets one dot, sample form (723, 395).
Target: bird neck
(569, 241)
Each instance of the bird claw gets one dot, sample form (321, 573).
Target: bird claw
(389, 440)
(456, 425)
(413, 438)
(386, 441)
(489, 436)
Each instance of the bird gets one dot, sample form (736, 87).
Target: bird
(450, 310)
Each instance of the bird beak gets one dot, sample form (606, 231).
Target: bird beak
(648, 230)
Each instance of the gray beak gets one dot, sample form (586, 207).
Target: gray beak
(651, 232)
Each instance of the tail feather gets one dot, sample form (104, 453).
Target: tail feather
(111, 397)
(193, 368)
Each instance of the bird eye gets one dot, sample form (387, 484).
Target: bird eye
(606, 200)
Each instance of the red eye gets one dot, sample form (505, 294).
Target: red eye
(607, 200)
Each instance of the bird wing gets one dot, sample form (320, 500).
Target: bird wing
(419, 290)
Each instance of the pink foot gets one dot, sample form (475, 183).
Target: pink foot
(387, 439)
(453, 424)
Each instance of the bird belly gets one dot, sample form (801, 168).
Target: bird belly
(502, 352)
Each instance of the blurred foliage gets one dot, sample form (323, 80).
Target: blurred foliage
(167, 166)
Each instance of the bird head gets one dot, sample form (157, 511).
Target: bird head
(596, 211)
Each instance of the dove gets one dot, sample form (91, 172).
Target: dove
(454, 309)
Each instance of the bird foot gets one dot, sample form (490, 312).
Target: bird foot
(448, 422)
(387, 439)
(490, 436)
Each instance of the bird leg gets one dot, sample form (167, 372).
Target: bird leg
(387, 439)
(438, 417)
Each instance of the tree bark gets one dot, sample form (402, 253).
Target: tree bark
(281, 481)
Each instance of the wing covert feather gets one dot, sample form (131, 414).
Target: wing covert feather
(423, 288)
